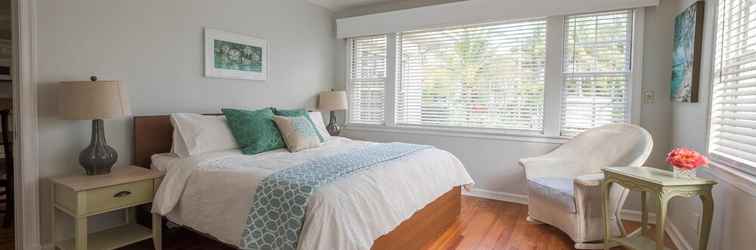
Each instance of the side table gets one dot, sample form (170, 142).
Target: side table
(82, 196)
(664, 185)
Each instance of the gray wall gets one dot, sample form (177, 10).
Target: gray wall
(493, 162)
(734, 220)
(156, 49)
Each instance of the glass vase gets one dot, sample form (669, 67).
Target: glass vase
(683, 172)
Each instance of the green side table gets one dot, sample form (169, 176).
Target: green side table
(664, 185)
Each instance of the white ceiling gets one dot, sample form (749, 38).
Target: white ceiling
(339, 5)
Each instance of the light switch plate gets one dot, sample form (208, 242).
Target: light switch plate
(649, 97)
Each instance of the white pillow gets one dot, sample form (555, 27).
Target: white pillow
(202, 134)
(317, 118)
(178, 147)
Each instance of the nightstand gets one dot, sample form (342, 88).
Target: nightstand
(123, 189)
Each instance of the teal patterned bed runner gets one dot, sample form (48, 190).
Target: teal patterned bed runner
(278, 208)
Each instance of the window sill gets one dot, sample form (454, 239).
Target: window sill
(732, 176)
(511, 135)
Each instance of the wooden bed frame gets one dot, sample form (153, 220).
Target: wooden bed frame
(153, 134)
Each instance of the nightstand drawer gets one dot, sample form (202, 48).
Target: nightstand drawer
(118, 196)
(103, 199)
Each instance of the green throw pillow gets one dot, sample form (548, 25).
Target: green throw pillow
(299, 112)
(254, 131)
(290, 112)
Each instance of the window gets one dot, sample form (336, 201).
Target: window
(489, 76)
(367, 79)
(554, 76)
(597, 58)
(733, 111)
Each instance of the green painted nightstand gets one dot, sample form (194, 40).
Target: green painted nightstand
(665, 186)
(83, 196)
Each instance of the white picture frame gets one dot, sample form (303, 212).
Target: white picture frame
(235, 56)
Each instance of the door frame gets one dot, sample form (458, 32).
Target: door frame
(26, 167)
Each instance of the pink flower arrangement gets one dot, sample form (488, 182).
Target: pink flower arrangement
(686, 158)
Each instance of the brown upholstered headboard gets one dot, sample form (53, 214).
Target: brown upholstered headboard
(152, 135)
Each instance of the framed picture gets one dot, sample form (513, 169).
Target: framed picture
(686, 56)
(235, 56)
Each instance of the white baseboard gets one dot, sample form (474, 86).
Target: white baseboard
(499, 196)
(627, 214)
(676, 236)
(48, 247)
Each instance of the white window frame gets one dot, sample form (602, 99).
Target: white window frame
(740, 174)
(389, 82)
(635, 78)
(478, 130)
(552, 90)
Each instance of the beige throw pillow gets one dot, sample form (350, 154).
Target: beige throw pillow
(297, 132)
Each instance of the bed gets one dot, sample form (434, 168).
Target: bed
(412, 200)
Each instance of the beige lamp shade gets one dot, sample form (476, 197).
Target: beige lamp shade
(333, 100)
(92, 100)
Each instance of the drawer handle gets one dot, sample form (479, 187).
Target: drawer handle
(121, 194)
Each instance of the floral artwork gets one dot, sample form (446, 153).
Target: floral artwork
(235, 56)
(686, 55)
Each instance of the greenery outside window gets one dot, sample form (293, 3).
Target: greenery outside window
(553, 77)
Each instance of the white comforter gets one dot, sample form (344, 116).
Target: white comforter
(212, 193)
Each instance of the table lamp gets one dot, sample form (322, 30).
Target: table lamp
(332, 101)
(94, 100)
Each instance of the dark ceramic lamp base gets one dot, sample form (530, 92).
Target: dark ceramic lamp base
(98, 158)
(333, 127)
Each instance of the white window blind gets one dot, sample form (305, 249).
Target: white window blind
(597, 68)
(483, 76)
(733, 111)
(367, 79)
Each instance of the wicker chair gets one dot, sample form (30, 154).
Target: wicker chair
(564, 185)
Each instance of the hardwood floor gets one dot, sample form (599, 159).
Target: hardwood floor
(483, 224)
(488, 224)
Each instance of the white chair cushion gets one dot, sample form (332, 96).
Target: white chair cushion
(561, 190)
